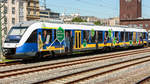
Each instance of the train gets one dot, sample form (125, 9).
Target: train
(149, 37)
(33, 39)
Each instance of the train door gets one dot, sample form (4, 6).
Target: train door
(148, 35)
(134, 37)
(77, 44)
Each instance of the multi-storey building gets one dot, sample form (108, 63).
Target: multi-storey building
(47, 14)
(130, 9)
(131, 14)
(33, 9)
(114, 21)
(89, 18)
(15, 10)
(20, 10)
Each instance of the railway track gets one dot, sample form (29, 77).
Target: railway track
(10, 63)
(67, 63)
(15, 63)
(80, 77)
(144, 81)
(16, 72)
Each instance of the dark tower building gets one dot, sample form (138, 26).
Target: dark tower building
(130, 9)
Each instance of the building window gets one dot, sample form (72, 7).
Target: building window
(34, 4)
(146, 25)
(34, 12)
(43, 16)
(28, 11)
(141, 25)
(46, 13)
(13, 20)
(13, 1)
(28, 3)
(130, 25)
(5, 10)
(3, 1)
(21, 4)
(21, 18)
(134, 25)
(13, 10)
(5, 20)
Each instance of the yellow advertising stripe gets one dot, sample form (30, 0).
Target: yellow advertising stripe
(102, 44)
(90, 46)
(53, 48)
(145, 41)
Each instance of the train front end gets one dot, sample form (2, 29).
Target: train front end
(12, 41)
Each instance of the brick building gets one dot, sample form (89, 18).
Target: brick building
(131, 13)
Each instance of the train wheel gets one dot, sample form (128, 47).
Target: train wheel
(145, 45)
(52, 53)
(38, 55)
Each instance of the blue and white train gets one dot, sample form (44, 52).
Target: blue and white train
(39, 39)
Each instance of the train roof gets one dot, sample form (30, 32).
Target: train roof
(38, 24)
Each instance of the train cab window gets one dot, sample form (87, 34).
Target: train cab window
(100, 36)
(122, 37)
(126, 36)
(33, 37)
(130, 35)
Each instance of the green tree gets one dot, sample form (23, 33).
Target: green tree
(78, 19)
(97, 23)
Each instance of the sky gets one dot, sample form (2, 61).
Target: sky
(98, 8)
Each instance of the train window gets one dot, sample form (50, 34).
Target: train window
(138, 35)
(54, 34)
(130, 35)
(106, 37)
(33, 37)
(117, 36)
(86, 36)
(49, 36)
(122, 37)
(148, 35)
(100, 36)
(68, 32)
(93, 38)
(144, 35)
(46, 36)
(126, 36)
